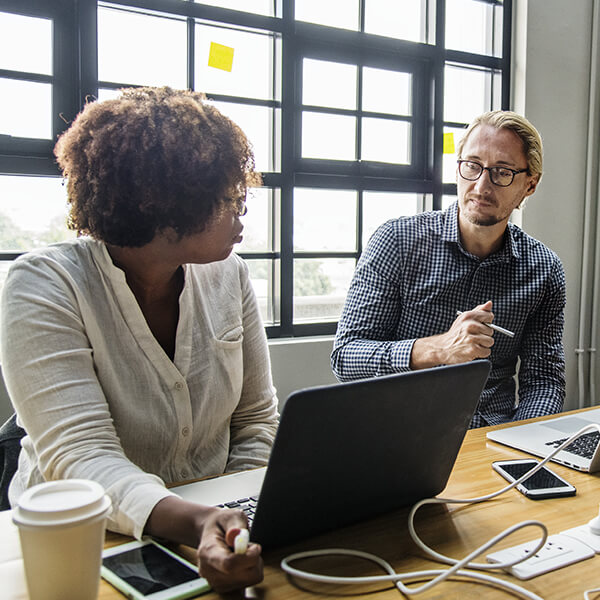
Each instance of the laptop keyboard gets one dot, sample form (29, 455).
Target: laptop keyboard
(246, 504)
(584, 445)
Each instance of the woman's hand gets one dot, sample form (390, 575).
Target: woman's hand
(217, 561)
(213, 531)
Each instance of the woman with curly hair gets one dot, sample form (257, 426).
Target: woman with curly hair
(135, 355)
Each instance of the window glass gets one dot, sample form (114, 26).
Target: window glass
(403, 20)
(496, 79)
(324, 220)
(452, 135)
(33, 212)
(386, 91)
(469, 92)
(25, 44)
(447, 201)
(317, 90)
(107, 94)
(334, 13)
(474, 26)
(25, 109)
(235, 62)
(320, 288)
(141, 49)
(328, 136)
(264, 278)
(378, 207)
(260, 221)
(384, 140)
(261, 7)
(261, 125)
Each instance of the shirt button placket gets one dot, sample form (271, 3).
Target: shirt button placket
(179, 387)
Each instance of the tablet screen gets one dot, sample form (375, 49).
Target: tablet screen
(148, 569)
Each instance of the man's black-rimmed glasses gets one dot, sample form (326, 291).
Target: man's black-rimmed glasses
(502, 176)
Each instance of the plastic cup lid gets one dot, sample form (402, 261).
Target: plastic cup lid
(61, 502)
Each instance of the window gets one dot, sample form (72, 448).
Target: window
(31, 77)
(354, 109)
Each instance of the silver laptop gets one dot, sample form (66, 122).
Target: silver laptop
(348, 452)
(541, 437)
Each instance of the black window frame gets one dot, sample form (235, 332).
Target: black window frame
(75, 79)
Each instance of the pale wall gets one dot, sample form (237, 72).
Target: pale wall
(300, 363)
(551, 87)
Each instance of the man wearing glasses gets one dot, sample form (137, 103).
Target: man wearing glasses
(427, 287)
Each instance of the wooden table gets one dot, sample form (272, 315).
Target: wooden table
(453, 530)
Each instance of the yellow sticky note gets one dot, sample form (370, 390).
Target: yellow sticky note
(449, 143)
(220, 57)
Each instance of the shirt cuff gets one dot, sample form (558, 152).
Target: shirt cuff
(401, 355)
(134, 511)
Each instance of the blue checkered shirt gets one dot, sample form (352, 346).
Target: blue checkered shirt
(412, 278)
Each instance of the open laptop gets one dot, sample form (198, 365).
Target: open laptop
(347, 452)
(541, 437)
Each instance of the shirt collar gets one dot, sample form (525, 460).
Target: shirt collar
(450, 234)
(450, 231)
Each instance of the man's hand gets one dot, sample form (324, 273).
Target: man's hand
(217, 561)
(468, 338)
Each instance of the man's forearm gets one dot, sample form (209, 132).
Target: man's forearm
(361, 358)
(427, 352)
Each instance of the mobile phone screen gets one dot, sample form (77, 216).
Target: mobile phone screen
(148, 569)
(541, 480)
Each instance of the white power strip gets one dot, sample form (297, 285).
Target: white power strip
(583, 534)
(559, 551)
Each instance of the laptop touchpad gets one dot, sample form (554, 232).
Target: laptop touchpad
(569, 425)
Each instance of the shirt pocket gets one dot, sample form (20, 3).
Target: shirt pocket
(230, 338)
(228, 362)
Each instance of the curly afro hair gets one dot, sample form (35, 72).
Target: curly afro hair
(152, 159)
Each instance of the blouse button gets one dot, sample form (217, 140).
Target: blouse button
(178, 385)
(184, 474)
(185, 431)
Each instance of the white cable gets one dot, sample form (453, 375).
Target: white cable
(455, 570)
(442, 574)
(586, 594)
(440, 557)
(397, 578)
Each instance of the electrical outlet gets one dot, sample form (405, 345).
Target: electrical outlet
(558, 551)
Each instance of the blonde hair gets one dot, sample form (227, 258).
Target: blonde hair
(506, 119)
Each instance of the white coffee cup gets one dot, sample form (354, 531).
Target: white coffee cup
(61, 526)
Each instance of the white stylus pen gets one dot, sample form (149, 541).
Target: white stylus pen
(240, 544)
(494, 327)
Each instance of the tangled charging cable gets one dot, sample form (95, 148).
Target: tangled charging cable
(436, 576)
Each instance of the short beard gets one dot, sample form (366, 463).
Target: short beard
(488, 222)
(474, 219)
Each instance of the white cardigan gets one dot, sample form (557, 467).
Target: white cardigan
(101, 400)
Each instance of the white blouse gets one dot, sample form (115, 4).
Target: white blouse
(101, 400)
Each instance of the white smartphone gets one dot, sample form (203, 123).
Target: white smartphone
(542, 484)
(145, 570)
